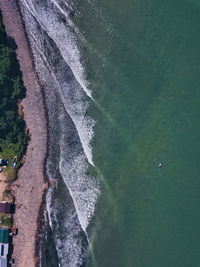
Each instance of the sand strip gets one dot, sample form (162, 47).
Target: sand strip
(28, 188)
(3, 186)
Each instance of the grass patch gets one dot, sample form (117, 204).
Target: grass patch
(5, 220)
(11, 174)
(7, 196)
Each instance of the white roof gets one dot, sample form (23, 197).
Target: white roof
(3, 250)
(3, 262)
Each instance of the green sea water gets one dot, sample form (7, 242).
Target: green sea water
(143, 65)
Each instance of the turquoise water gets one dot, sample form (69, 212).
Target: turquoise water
(143, 64)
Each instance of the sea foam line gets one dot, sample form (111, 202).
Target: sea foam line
(76, 65)
(83, 85)
(68, 56)
(84, 216)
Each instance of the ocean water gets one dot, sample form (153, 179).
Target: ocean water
(121, 81)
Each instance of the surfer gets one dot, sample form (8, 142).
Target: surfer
(160, 165)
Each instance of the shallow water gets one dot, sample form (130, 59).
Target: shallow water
(144, 73)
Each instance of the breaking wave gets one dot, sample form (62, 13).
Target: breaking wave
(55, 45)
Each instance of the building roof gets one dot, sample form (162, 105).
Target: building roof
(4, 232)
(3, 262)
(3, 250)
(6, 207)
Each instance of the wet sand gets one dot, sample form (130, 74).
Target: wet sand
(28, 188)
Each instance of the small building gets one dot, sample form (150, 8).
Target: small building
(7, 208)
(3, 262)
(4, 234)
(3, 255)
(3, 250)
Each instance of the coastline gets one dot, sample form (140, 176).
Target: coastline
(30, 187)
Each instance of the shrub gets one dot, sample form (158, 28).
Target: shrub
(13, 139)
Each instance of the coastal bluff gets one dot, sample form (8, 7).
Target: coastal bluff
(29, 187)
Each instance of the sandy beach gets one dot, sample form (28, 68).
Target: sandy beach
(29, 187)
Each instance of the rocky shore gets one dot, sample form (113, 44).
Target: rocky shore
(30, 186)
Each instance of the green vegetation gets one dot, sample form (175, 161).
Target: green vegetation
(5, 220)
(13, 140)
(7, 196)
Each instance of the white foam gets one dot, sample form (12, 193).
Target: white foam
(64, 39)
(83, 188)
(76, 106)
(68, 249)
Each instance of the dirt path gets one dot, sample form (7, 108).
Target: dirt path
(28, 188)
(2, 185)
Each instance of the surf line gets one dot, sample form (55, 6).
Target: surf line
(78, 79)
(87, 91)
(82, 225)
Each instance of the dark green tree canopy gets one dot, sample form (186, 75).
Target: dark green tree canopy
(12, 127)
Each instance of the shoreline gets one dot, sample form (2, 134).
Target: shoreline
(31, 186)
